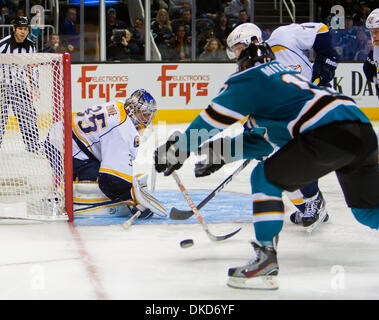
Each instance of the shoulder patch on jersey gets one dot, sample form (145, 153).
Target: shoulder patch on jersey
(136, 142)
(111, 110)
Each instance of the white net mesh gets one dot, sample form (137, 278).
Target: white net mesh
(31, 116)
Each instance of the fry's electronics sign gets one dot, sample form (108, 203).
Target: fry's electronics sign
(174, 86)
(99, 86)
(175, 83)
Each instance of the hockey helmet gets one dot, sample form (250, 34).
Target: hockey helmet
(372, 21)
(244, 33)
(255, 53)
(21, 22)
(141, 108)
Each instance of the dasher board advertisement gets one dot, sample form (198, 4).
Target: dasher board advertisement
(189, 87)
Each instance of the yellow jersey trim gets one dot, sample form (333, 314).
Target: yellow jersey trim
(118, 174)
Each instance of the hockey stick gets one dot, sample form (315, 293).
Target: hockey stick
(128, 223)
(177, 214)
(153, 180)
(197, 213)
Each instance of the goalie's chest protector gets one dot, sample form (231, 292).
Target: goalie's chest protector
(110, 135)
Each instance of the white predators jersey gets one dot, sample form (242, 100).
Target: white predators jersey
(110, 135)
(290, 44)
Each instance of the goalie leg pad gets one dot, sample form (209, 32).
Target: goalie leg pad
(146, 200)
(88, 198)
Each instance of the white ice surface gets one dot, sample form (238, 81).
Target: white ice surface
(59, 261)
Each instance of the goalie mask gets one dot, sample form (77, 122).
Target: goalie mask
(245, 33)
(141, 108)
(255, 54)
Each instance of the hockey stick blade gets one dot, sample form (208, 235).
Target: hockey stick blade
(197, 213)
(176, 214)
(220, 238)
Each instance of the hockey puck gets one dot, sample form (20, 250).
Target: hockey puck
(186, 243)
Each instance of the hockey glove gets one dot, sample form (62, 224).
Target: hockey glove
(324, 69)
(167, 157)
(369, 67)
(215, 156)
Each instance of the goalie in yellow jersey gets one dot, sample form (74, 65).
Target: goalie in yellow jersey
(105, 143)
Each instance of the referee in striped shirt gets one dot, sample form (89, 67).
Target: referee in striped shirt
(18, 41)
(16, 82)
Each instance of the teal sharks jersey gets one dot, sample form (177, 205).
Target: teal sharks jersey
(280, 104)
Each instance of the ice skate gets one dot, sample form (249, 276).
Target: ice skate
(259, 273)
(315, 213)
(296, 217)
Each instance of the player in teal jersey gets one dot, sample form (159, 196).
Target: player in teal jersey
(316, 130)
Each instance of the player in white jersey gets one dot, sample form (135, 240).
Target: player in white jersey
(371, 65)
(291, 43)
(106, 139)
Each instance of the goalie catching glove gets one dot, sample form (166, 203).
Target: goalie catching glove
(168, 157)
(217, 153)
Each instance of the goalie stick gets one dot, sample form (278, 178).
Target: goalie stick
(197, 213)
(128, 223)
(176, 214)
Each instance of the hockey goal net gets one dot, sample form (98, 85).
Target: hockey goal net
(35, 137)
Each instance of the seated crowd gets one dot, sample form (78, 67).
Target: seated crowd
(171, 28)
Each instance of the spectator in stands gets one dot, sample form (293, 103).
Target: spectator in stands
(243, 17)
(362, 14)
(185, 20)
(113, 23)
(362, 54)
(266, 33)
(208, 9)
(69, 34)
(4, 19)
(3, 13)
(8, 8)
(236, 6)
(351, 7)
(138, 33)
(163, 34)
(207, 32)
(176, 7)
(222, 28)
(360, 46)
(182, 44)
(155, 5)
(213, 51)
(55, 46)
(224, 4)
(122, 47)
(345, 39)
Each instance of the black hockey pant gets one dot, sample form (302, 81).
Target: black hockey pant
(349, 148)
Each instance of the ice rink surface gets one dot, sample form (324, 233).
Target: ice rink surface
(59, 260)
